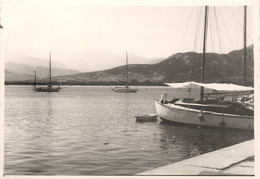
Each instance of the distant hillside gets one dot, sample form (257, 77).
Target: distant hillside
(87, 61)
(10, 76)
(176, 68)
(96, 60)
(13, 57)
(19, 71)
(43, 71)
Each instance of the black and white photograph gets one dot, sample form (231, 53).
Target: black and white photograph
(129, 88)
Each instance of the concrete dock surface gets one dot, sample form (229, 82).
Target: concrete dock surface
(234, 160)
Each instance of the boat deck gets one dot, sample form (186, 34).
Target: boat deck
(227, 107)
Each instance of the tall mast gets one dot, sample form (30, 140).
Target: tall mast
(245, 16)
(126, 70)
(34, 79)
(204, 50)
(50, 68)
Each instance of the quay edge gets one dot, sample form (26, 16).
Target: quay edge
(235, 160)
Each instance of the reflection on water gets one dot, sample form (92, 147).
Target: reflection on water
(194, 141)
(92, 131)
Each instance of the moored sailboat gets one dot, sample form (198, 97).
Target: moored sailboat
(50, 87)
(211, 110)
(124, 89)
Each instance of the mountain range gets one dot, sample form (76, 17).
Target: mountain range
(20, 67)
(22, 72)
(179, 67)
(18, 58)
(97, 60)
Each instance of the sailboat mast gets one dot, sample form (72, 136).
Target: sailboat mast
(50, 68)
(34, 79)
(204, 50)
(126, 70)
(245, 17)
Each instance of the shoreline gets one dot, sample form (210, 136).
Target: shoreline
(138, 86)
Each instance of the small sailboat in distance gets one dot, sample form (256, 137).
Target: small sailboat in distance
(48, 88)
(124, 89)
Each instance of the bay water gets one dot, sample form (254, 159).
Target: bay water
(90, 130)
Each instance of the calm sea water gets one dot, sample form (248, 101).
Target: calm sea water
(92, 131)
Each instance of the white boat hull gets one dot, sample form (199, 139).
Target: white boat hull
(179, 114)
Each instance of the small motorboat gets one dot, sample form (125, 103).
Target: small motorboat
(146, 118)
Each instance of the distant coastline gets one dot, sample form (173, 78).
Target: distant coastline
(87, 83)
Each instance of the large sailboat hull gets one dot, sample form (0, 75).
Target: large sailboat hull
(184, 115)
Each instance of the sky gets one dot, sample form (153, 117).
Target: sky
(35, 27)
